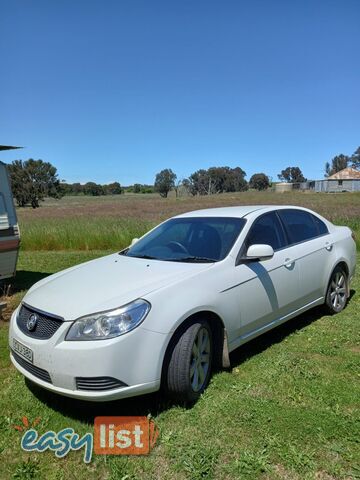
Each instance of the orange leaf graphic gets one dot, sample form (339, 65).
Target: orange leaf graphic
(25, 421)
(36, 421)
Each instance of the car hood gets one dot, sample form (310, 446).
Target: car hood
(105, 283)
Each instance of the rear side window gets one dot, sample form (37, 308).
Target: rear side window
(267, 230)
(323, 230)
(299, 225)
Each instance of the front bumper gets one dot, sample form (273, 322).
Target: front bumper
(135, 359)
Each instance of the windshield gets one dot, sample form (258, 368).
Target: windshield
(189, 239)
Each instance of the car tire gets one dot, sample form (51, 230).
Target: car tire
(190, 362)
(337, 292)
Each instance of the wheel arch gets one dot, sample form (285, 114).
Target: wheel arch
(340, 263)
(221, 352)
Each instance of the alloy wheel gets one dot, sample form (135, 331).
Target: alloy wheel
(338, 291)
(200, 359)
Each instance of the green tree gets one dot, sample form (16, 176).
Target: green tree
(77, 188)
(339, 162)
(94, 189)
(113, 188)
(355, 158)
(137, 188)
(199, 183)
(235, 180)
(164, 182)
(259, 181)
(71, 188)
(33, 180)
(216, 180)
(292, 175)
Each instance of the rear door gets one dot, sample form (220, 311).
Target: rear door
(268, 289)
(314, 251)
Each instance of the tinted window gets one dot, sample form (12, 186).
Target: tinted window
(189, 239)
(299, 225)
(267, 230)
(322, 228)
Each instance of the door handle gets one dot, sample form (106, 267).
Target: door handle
(288, 263)
(328, 246)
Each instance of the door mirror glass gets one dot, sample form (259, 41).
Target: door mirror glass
(259, 252)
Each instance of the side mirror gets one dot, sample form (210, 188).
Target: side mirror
(259, 252)
(133, 241)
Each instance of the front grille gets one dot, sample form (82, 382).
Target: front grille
(98, 383)
(46, 325)
(36, 371)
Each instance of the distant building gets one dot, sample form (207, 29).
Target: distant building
(282, 187)
(347, 180)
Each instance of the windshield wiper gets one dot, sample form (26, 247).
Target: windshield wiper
(190, 259)
(147, 257)
(193, 259)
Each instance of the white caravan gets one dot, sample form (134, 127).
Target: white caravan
(9, 229)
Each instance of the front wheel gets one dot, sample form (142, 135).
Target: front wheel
(336, 295)
(189, 368)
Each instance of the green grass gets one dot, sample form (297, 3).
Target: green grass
(288, 409)
(81, 233)
(87, 234)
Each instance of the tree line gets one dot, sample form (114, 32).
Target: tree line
(209, 182)
(226, 179)
(91, 188)
(33, 180)
(96, 189)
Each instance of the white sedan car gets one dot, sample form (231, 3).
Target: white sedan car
(168, 310)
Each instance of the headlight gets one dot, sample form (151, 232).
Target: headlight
(113, 323)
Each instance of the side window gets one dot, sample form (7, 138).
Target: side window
(267, 230)
(323, 230)
(299, 225)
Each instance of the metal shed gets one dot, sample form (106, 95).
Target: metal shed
(347, 180)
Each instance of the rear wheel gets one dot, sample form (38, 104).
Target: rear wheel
(189, 368)
(336, 295)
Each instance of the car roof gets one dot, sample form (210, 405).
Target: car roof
(237, 212)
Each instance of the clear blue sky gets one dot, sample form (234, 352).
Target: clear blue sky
(118, 90)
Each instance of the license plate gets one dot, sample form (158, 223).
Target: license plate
(23, 351)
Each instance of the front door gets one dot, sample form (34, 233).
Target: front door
(268, 289)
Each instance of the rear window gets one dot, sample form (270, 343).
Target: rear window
(299, 225)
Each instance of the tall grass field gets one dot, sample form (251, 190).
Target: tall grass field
(110, 223)
(97, 233)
